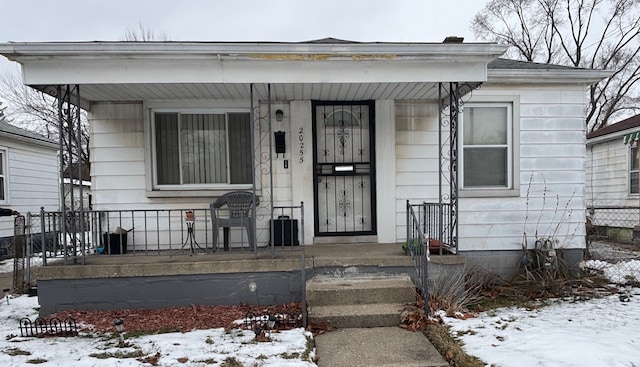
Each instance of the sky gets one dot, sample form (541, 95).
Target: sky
(236, 20)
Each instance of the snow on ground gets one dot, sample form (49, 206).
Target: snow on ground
(599, 332)
(596, 332)
(6, 265)
(196, 348)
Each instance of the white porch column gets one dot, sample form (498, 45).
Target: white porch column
(302, 163)
(386, 170)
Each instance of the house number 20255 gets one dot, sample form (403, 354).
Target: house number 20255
(301, 145)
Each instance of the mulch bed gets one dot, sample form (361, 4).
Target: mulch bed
(180, 319)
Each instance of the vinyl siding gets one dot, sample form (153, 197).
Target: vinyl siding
(551, 161)
(32, 172)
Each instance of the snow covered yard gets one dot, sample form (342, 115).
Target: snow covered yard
(212, 347)
(598, 332)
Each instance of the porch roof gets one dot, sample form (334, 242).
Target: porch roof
(327, 70)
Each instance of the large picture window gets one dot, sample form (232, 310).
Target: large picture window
(487, 146)
(202, 148)
(633, 170)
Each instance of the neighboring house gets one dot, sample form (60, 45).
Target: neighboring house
(612, 176)
(75, 189)
(83, 192)
(172, 125)
(28, 176)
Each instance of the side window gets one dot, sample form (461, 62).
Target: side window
(487, 146)
(633, 170)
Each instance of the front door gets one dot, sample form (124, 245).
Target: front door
(344, 168)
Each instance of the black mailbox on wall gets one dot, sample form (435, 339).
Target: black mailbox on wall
(285, 231)
(281, 146)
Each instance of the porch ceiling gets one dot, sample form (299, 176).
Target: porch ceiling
(241, 91)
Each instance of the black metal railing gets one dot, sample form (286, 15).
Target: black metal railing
(435, 223)
(41, 327)
(286, 235)
(165, 232)
(416, 246)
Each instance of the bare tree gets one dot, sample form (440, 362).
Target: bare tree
(143, 34)
(38, 112)
(595, 34)
(3, 118)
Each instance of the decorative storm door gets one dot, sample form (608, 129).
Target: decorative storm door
(344, 168)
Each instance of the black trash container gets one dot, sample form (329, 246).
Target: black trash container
(113, 242)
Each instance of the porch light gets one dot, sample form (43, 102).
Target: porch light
(119, 324)
(6, 292)
(253, 287)
(279, 115)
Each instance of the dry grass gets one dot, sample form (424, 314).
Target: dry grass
(449, 347)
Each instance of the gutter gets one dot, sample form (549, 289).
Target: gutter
(547, 76)
(423, 51)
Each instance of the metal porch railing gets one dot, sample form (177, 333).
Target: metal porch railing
(435, 223)
(165, 232)
(416, 246)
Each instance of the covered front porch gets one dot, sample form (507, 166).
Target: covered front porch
(288, 90)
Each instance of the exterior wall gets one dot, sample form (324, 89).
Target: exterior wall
(121, 173)
(550, 153)
(549, 159)
(607, 174)
(551, 175)
(416, 158)
(32, 173)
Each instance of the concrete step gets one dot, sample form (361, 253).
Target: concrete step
(357, 290)
(357, 316)
(380, 347)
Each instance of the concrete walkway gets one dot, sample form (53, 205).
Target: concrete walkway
(376, 347)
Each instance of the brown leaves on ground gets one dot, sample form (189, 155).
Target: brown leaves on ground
(318, 328)
(152, 360)
(181, 319)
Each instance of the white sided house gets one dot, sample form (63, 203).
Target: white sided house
(612, 191)
(28, 176)
(366, 127)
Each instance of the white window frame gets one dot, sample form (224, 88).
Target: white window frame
(633, 159)
(190, 190)
(512, 103)
(4, 161)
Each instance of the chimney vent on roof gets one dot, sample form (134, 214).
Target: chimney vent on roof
(453, 39)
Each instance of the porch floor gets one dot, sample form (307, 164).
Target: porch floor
(283, 259)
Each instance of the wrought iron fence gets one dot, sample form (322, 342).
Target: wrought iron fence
(41, 327)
